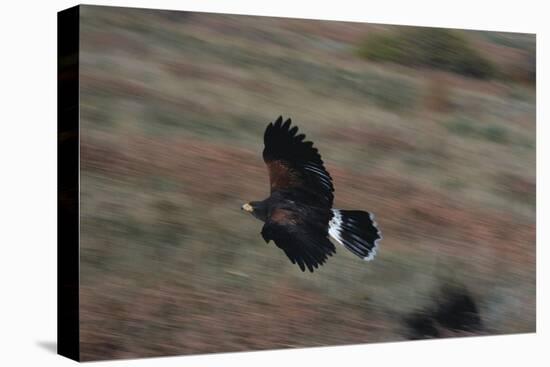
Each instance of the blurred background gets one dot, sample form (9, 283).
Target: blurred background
(431, 129)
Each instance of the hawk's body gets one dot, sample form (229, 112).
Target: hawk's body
(298, 215)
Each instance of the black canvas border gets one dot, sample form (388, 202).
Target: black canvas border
(68, 198)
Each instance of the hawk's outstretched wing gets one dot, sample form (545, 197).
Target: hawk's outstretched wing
(302, 238)
(295, 166)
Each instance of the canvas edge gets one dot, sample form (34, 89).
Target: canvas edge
(68, 330)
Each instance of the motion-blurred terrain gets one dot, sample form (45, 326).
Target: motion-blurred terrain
(173, 109)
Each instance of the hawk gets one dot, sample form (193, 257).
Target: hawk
(298, 215)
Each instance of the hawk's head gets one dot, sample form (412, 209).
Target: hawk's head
(257, 208)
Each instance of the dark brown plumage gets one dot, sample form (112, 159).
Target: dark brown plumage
(298, 215)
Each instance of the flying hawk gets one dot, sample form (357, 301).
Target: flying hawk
(298, 215)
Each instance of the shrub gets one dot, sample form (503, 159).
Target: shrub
(496, 134)
(436, 48)
(469, 128)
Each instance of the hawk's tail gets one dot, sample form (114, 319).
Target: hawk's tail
(356, 230)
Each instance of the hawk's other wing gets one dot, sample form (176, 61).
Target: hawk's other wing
(295, 166)
(304, 240)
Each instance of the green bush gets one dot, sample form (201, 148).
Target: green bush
(468, 128)
(436, 48)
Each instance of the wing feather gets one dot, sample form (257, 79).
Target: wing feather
(303, 242)
(295, 165)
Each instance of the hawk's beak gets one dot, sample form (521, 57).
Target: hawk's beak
(247, 207)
